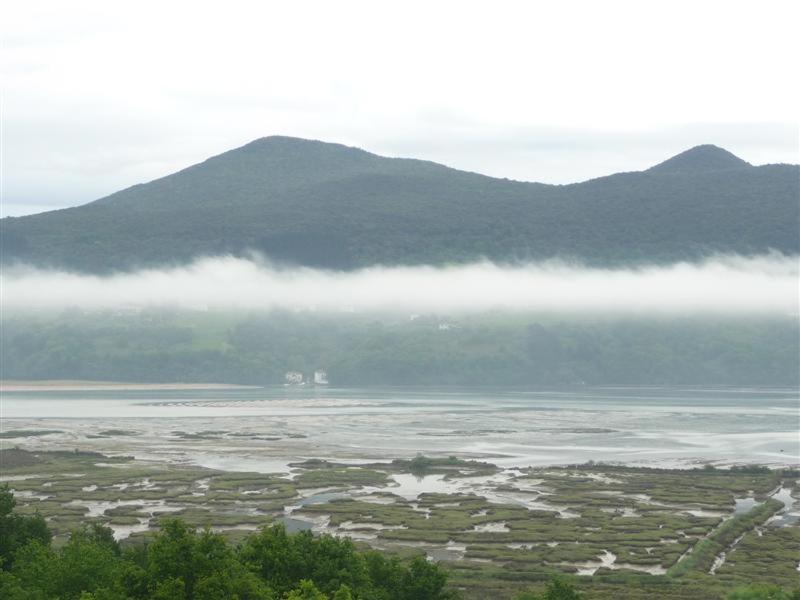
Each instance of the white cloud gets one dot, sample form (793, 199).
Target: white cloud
(723, 285)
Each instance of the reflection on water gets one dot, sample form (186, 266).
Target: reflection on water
(410, 486)
(744, 505)
(266, 429)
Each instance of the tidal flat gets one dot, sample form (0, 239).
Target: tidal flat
(500, 487)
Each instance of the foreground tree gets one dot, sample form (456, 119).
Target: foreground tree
(557, 589)
(17, 530)
(184, 564)
(763, 592)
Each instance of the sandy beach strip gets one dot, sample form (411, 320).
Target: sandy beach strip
(66, 385)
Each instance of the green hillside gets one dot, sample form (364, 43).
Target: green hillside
(489, 349)
(327, 205)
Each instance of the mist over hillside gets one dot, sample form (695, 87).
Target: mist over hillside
(725, 321)
(309, 203)
(292, 255)
(722, 285)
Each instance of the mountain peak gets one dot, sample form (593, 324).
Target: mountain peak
(285, 143)
(706, 157)
(290, 153)
(284, 140)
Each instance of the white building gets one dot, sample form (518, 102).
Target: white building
(320, 377)
(294, 378)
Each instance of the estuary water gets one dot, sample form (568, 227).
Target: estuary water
(267, 429)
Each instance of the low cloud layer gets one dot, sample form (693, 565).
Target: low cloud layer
(722, 285)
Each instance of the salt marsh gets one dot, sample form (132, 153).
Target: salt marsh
(505, 492)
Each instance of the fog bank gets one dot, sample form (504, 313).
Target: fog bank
(721, 285)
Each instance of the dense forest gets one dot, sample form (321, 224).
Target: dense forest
(326, 205)
(160, 345)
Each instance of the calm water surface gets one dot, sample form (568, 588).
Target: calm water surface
(265, 429)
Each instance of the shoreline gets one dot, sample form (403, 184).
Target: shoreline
(67, 385)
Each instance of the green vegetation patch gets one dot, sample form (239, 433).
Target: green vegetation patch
(341, 476)
(19, 433)
(704, 552)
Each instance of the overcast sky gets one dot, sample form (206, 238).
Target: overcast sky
(101, 95)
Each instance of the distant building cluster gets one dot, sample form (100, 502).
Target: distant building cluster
(318, 377)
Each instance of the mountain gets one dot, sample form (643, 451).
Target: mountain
(700, 158)
(327, 205)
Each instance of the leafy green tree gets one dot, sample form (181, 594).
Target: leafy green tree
(203, 563)
(17, 530)
(270, 554)
(35, 568)
(171, 588)
(283, 560)
(89, 562)
(557, 589)
(11, 588)
(385, 570)
(232, 582)
(306, 591)
(423, 581)
(762, 592)
(171, 558)
(343, 593)
(335, 562)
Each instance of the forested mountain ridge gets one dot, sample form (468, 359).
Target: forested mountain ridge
(327, 205)
(701, 158)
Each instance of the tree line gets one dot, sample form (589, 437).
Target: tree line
(515, 349)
